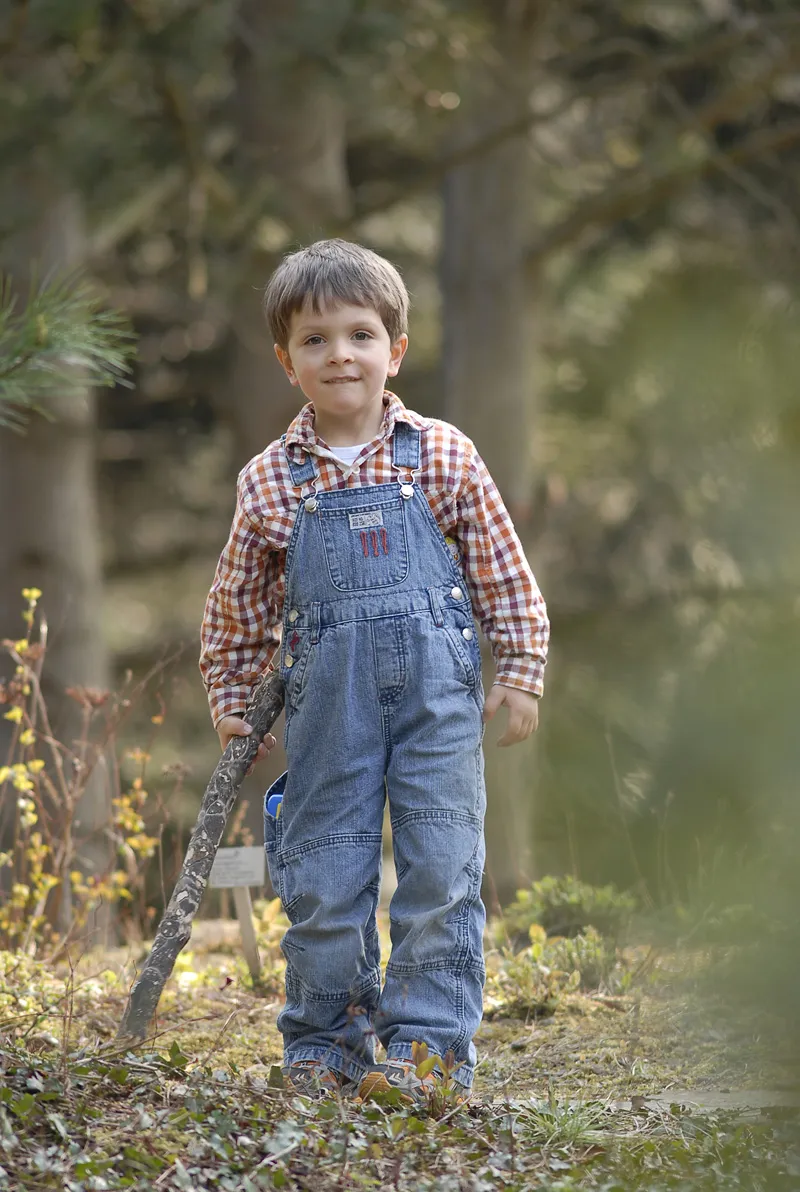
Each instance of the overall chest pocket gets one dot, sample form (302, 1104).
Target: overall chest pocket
(365, 547)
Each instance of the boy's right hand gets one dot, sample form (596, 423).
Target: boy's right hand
(234, 726)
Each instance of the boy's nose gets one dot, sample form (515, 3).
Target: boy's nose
(341, 353)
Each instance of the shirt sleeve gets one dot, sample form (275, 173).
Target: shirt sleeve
(503, 590)
(241, 619)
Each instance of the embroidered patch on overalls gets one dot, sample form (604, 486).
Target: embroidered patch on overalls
(360, 521)
(372, 540)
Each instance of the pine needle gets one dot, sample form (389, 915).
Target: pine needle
(63, 341)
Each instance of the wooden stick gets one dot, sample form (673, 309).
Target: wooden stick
(244, 913)
(175, 927)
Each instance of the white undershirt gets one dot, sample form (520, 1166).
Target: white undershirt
(348, 454)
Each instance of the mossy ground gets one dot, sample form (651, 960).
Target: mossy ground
(560, 1100)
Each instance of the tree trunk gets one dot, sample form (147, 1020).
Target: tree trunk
(489, 366)
(50, 533)
(292, 125)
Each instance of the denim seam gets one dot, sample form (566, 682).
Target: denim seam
(463, 660)
(339, 996)
(461, 1019)
(437, 815)
(405, 968)
(287, 856)
(365, 497)
(389, 695)
(286, 942)
(386, 729)
(464, 916)
(294, 676)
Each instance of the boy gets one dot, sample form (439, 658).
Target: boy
(371, 533)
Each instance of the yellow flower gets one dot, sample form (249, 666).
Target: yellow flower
(5, 773)
(27, 737)
(31, 593)
(137, 755)
(14, 714)
(21, 645)
(36, 765)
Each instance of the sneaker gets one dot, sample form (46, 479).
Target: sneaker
(419, 1090)
(312, 1078)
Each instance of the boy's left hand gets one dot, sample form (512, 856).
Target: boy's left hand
(523, 712)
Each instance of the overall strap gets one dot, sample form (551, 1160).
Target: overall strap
(406, 446)
(301, 473)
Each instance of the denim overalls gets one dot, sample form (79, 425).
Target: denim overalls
(383, 694)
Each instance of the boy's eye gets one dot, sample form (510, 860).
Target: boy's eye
(313, 340)
(362, 336)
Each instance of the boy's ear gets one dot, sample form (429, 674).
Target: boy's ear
(286, 363)
(397, 354)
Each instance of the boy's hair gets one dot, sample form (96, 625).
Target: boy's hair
(335, 273)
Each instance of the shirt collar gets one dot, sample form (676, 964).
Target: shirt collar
(301, 432)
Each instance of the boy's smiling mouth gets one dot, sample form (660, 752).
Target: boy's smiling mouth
(340, 380)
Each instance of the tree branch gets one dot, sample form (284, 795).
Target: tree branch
(650, 71)
(750, 184)
(141, 209)
(644, 191)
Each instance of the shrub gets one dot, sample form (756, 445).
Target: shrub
(47, 894)
(590, 955)
(565, 906)
(521, 985)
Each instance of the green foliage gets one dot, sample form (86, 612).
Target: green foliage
(85, 1120)
(553, 1123)
(521, 985)
(590, 954)
(566, 906)
(63, 340)
(190, 1109)
(532, 982)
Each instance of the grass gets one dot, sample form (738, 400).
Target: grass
(560, 1100)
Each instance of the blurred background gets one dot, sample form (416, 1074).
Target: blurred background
(595, 208)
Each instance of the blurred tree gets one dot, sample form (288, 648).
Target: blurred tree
(291, 156)
(52, 540)
(678, 99)
(489, 344)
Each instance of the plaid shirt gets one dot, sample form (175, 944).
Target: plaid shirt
(241, 624)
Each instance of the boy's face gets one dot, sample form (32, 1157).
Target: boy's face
(341, 358)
